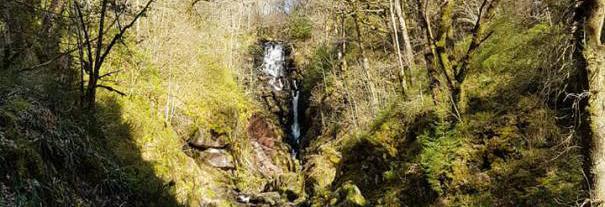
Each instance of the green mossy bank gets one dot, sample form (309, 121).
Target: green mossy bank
(513, 145)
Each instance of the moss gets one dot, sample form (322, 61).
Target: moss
(504, 152)
(350, 196)
(323, 171)
(248, 182)
(19, 104)
(383, 162)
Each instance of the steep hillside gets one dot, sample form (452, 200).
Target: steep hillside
(296, 103)
(515, 141)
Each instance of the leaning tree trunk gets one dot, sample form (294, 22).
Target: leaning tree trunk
(594, 52)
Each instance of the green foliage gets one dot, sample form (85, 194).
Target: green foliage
(383, 162)
(299, 27)
(509, 147)
(440, 147)
(322, 62)
(48, 158)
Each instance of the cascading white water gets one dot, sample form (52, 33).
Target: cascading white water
(289, 6)
(273, 65)
(295, 128)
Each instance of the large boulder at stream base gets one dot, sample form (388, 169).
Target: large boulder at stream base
(218, 158)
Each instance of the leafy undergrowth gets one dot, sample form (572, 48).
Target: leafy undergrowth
(509, 149)
(160, 149)
(47, 158)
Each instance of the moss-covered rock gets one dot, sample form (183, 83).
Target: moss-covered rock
(349, 195)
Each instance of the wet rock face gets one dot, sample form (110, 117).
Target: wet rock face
(270, 159)
(280, 90)
(275, 73)
(264, 161)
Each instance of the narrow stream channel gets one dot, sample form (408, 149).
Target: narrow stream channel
(282, 82)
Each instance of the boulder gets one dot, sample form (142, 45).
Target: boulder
(271, 198)
(350, 195)
(261, 199)
(218, 158)
(204, 140)
(263, 162)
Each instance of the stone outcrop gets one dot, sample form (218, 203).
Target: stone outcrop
(218, 158)
(260, 130)
(204, 140)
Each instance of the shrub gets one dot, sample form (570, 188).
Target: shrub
(299, 28)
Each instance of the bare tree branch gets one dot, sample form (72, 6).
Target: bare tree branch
(86, 34)
(487, 8)
(122, 31)
(34, 67)
(109, 74)
(111, 89)
(97, 64)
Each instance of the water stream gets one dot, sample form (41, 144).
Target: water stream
(280, 81)
(295, 128)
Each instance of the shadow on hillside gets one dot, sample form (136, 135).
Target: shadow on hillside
(118, 140)
(513, 127)
(391, 179)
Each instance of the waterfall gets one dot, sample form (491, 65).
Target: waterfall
(289, 6)
(273, 65)
(295, 128)
(273, 7)
(274, 68)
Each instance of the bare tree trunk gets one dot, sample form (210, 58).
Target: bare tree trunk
(409, 53)
(429, 55)
(594, 52)
(398, 49)
(579, 85)
(101, 50)
(443, 39)
(343, 71)
(365, 63)
(49, 15)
